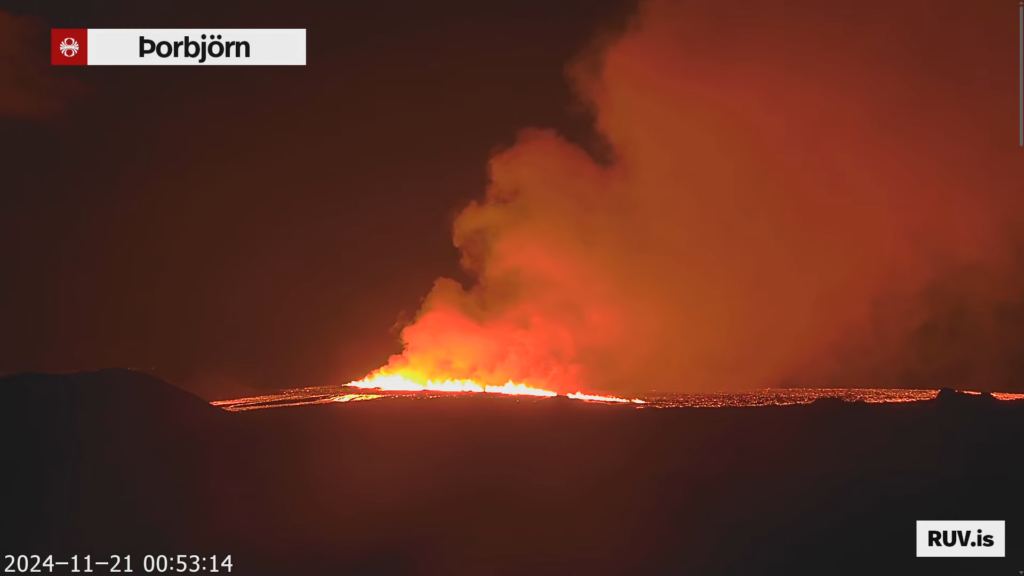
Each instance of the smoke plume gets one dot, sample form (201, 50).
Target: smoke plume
(774, 177)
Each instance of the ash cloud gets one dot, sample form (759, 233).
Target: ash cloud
(800, 194)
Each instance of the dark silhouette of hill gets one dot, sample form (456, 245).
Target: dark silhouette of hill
(112, 393)
(117, 462)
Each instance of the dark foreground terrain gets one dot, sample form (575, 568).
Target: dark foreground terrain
(118, 462)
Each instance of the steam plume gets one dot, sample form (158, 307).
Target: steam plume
(774, 172)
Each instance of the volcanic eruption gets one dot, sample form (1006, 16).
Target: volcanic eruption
(741, 209)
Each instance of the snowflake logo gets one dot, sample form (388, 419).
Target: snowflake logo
(69, 47)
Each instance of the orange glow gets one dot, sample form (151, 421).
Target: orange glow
(289, 398)
(519, 390)
(1007, 396)
(783, 193)
(398, 383)
(595, 398)
(353, 397)
(763, 397)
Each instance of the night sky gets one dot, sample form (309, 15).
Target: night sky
(265, 225)
(242, 228)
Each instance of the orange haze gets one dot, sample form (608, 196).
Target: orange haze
(763, 175)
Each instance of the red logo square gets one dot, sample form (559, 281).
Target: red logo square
(68, 47)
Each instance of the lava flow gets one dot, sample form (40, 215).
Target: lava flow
(596, 398)
(398, 383)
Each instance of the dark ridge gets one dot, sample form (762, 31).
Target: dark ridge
(112, 394)
(829, 401)
(948, 397)
(110, 455)
(118, 462)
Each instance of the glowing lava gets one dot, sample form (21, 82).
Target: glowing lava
(595, 398)
(397, 383)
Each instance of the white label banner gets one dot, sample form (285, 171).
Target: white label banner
(961, 538)
(197, 47)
